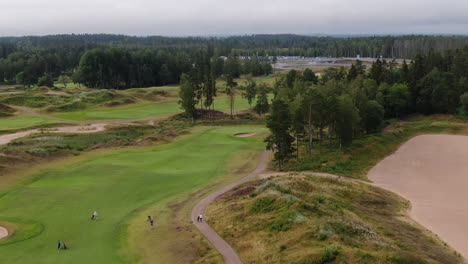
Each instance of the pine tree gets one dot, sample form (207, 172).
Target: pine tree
(280, 140)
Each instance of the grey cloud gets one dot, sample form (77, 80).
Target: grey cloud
(209, 17)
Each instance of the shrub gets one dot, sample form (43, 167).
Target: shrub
(264, 205)
(324, 234)
(279, 225)
(45, 80)
(283, 248)
(407, 258)
(328, 255)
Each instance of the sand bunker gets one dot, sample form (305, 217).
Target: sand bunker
(5, 139)
(3, 232)
(50, 92)
(431, 171)
(243, 135)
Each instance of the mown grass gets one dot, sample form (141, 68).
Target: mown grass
(306, 219)
(116, 183)
(144, 110)
(22, 121)
(355, 160)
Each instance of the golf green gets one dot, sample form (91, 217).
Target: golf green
(146, 110)
(58, 204)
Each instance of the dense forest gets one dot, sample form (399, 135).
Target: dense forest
(117, 61)
(344, 104)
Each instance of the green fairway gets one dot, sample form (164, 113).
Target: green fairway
(116, 184)
(146, 110)
(21, 122)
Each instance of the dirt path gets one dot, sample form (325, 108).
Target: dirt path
(230, 256)
(431, 171)
(3, 232)
(93, 128)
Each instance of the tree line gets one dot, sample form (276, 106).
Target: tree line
(344, 104)
(57, 55)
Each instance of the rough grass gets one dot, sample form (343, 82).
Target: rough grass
(355, 160)
(306, 219)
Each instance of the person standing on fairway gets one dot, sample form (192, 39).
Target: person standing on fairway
(94, 216)
(152, 222)
(59, 244)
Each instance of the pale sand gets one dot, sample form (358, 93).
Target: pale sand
(431, 171)
(93, 128)
(243, 135)
(3, 232)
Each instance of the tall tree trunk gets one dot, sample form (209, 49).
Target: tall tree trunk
(310, 130)
(297, 146)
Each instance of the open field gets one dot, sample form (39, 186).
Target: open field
(58, 202)
(430, 171)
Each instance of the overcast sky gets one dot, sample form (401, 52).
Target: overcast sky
(232, 17)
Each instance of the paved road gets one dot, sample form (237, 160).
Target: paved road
(230, 256)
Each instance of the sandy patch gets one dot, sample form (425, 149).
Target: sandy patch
(431, 171)
(50, 92)
(243, 135)
(93, 128)
(3, 232)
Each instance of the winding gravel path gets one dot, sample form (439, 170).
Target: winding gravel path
(230, 256)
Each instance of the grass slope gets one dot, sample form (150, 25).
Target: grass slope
(116, 184)
(22, 121)
(303, 219)
(357, 159)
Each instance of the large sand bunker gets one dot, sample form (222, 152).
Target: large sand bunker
(432, 172)
(3, 232)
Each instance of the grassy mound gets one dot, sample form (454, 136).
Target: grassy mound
(6, 111)
(307, 219)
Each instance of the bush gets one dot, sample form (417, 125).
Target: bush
(46, 80)
(406, 258)
(328, 255)
(283, 248)
(280, 225)
(264, 205)
(324, 234)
